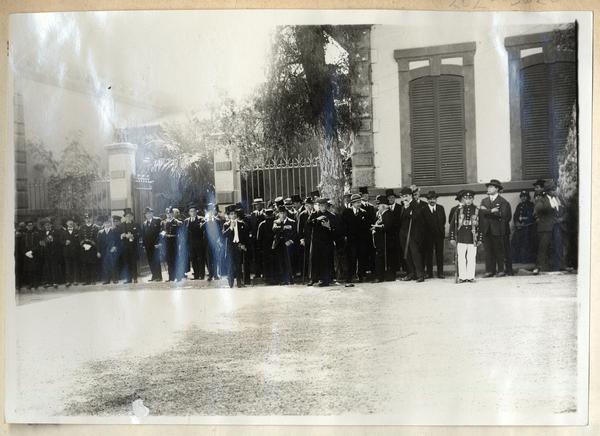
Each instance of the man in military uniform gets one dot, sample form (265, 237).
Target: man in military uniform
(151, 238)
(212, 237)
(284, 237)
(71, 252)
(264, 245)
(322, 225)
(108, 251)
(465, 236)
(384, 235)
(494, 213)
(235, 235)
(523, 249)
(371, 218)
(30, 252)
(305, 238)
(195, 243)
(435, 231)
(129, 238)
(358, 239)
(411, 236)
(170, 231)
(88, 237)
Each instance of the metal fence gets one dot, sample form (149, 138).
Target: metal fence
(280, 177)
(38, 197)
(142, 196)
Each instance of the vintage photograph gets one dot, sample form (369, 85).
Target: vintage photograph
(360, 217)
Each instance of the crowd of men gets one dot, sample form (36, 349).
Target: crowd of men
(295, 240)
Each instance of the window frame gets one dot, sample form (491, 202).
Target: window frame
(435, 55)
(549, 54)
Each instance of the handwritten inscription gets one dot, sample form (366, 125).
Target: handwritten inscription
(486, 4)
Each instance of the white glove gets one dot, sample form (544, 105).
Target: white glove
(29, 254)
(86, 247)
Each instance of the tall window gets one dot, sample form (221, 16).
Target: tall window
(437, 130)
(543, 90)
(437, 115)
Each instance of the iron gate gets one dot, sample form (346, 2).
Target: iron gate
(280, 177)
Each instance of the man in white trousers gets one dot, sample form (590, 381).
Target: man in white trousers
(465, 236)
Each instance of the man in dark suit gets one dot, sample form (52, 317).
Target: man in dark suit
(256, 217)
(170, 232)
(264, 244)
(323, 230)
(213, 240)
(129, 235)
(284, 238)
(88, 238)
(358, 240)
(371, 217)
(411, 236)
(384, 235)
(50, 242)
(71, 253)
(305, 238)
(235, 235)
(151, 238)
(495, 214)
(434, 217)
(193, 225)
(396, 260)
(30, 251)
(108, 251)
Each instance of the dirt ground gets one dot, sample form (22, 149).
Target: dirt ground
(499, 347)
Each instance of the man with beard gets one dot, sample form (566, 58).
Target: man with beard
(411, 236)
(384, 235)
(151, 238)
(322, 224)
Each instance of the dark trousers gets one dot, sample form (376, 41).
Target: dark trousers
(71, 264)
(269, 269)
(197, 261)
(522, 245)
(356, 260)
(31, 273)
(171, 257)
(322, 262)
(212, 256)
(129, 262)
(494, 253)
(51, 270)
(507, 254)
(109, 267)
(153, 255)
(431, 244)
(234, 265)
(414, 261)
(550, 250)
(257, 260)
(285, 259)
(89, 271)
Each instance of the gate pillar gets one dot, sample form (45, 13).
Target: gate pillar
(227, 177)
(121, 169)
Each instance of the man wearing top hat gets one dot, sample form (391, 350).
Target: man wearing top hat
(304, 236)
(322, 226)
(523, 240)
(129, 235)
(264, 245)
(384, 235)
(193, 225)
(30, 251)
(495, 213)
(434, 217)
(396, 260)
(284, 239)
(235, 236)
(358, 238)
(411, 236)
(465, 236)
(151, 229)
(256, 217)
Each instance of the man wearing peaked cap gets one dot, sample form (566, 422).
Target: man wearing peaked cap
(495, 215)
(213, 241)
(278, 201)
(465, 235)
(195, 246)
(170, 232)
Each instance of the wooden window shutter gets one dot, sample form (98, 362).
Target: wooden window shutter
(437, 129)
(548, 92)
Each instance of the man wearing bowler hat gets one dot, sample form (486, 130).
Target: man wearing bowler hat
(411, 236)
(384, 234)
(356, 227)
(495, 214)
(434, 217)
(396, 259)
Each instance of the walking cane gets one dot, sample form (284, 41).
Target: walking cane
(243, 266)
(407, 239)
(310, 252)
(456, 247)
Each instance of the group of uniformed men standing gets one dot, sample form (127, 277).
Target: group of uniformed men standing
(292, 240)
